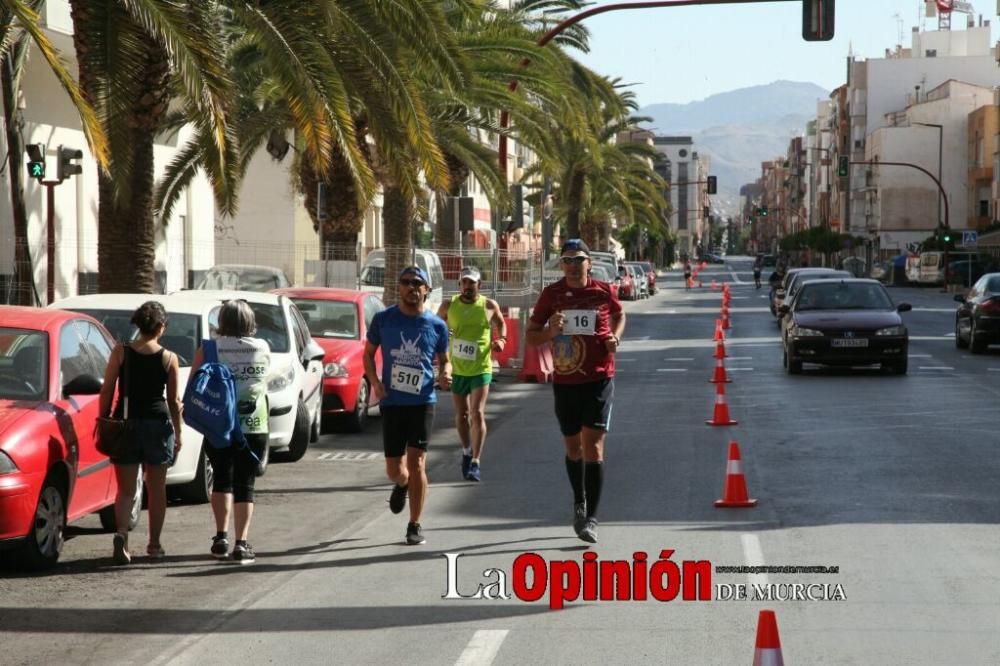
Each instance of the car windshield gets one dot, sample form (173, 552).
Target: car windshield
(330, 319)
(993, 284)
(373, 276)
(843, 296)
(181, 337)
(23, 364)
(243, 280)
(271, 326)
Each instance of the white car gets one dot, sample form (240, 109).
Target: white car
(244, 277)
(294, 394)
(295, 385)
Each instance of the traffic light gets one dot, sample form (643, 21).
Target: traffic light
(712, 185)
(517, 209)
(36, 163)
(763, 211)
(705, 212)
(817, 20)
(65, 166)
(843, 166)
(947, 236)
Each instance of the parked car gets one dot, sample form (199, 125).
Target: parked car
(856, 266)
(769, 260)
(778, 296)
(713, 258)
(977, 320)
(650, 274)
(373, 273)
(187, 325)
(639, 279)
(338, 320)
(52, 366)
(627, 288)
(881, 271)
(603, 273)
(845, 322)
(244, 277)
(966, 271)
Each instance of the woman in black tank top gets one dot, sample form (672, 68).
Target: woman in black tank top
(147, 377)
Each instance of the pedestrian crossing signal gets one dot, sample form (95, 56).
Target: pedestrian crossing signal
(36, 170)
(817, 20)
(843, 166)
(713, 186)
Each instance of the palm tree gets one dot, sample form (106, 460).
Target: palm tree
(19, 27)
(134, 57)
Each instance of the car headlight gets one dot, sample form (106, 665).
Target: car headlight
(799, 332)
(282, 380)
(891, 330)
(6, 464)
(335, 370)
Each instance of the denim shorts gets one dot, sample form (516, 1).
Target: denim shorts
(152, 443)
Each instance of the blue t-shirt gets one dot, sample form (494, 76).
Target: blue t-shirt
(408, 348)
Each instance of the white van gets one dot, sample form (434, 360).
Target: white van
(373, 273)
(931, 268)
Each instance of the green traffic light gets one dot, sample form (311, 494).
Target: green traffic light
(36, 169)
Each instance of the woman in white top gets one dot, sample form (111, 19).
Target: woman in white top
(235, 470)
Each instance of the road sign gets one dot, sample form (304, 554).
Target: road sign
(970, 238)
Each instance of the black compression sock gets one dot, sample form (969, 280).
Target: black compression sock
(574, 468)
(594, 482)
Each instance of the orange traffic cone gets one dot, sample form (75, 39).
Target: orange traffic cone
(719, 335)
(768, 650)
(725, 319)
(714, 286)
(721, 415)
(720, 349)
(734, 491)
(720, 371)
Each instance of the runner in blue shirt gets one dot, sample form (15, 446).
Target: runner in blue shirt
(410, 338)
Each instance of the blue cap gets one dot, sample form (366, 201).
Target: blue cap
(575, 245)
(417, 271)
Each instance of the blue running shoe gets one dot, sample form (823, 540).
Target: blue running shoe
(473, 474)
(466, 463)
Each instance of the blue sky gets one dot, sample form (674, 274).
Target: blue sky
(685, 54)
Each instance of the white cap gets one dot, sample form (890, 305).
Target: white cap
(470, 272)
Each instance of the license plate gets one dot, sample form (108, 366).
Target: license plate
(849, 342)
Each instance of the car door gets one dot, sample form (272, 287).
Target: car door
(83, 349)
(312, 370)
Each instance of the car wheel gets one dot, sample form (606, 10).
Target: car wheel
(315, 428)
(199, 489)
(264, 460)
(356, 420)
(792, 366)
(300, 435)
(107, 514)
(900, 367)
(959, 342)
(45, 542)
(975, 346)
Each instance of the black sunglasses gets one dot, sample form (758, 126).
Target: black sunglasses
(411, 283)
(572, 260)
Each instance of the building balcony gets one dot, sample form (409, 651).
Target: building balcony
(981, 174)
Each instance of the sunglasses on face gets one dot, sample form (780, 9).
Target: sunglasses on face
(411, 283)
(572, 260)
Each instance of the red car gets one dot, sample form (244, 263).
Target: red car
(338, 320)
(650, 273)
(51, 369)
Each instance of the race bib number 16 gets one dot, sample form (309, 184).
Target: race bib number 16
(579, 322)
(406, 379)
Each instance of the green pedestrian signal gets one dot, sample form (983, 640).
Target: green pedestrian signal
(843, 166)
(36, 170)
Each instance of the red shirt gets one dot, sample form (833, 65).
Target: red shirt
(580, 358)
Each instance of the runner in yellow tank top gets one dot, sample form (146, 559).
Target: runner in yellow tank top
(472, 320)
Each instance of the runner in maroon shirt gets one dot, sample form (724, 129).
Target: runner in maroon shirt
(584, 321)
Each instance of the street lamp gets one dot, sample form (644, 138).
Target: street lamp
(940, 129)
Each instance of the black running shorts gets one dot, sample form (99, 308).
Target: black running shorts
(580, 405)
(406, 426)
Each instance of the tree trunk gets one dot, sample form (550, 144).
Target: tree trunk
(458, 174)
(397, 213)
(24, 283)
(574, 203)
(589, 231)
(126, 248)
(345, 217)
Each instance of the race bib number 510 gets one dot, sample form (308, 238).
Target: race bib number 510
(579, 322)
(406, 379)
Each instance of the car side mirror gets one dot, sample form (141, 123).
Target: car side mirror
(959, 298)
(784, 309)
(904, 307)
(314, 352)
(83, 385)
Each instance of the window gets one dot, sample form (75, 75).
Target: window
(373, 306)
(23, 364)
(984, 208)
(74, 360)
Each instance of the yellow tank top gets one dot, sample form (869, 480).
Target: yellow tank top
(469, 346)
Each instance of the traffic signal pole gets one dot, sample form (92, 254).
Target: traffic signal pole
(50, 239)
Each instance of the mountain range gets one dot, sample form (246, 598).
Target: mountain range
(739, 129)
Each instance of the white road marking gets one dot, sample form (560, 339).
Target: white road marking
(993, 369)
(919, 355)
(671, 369)
(741, 358)
(482, 648)
(935, 367)
(739, 369)
(678, 359)
(625, 360)
(754, 557)
(920, 309)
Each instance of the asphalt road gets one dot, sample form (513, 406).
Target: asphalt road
(890, 479)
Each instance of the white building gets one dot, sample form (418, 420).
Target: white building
(878, 88)
(686, 174)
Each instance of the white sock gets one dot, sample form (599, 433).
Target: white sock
(467, 451)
